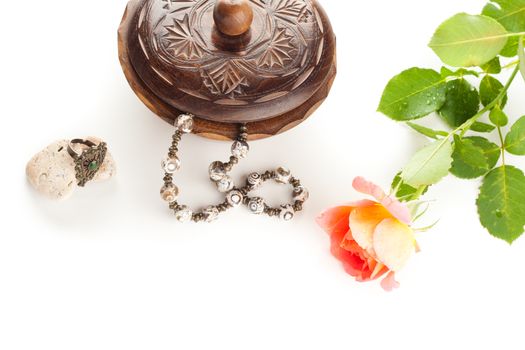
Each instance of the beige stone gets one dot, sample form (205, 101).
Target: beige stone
(52, 171)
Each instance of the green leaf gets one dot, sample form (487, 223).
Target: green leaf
(433, 134)
(511, 14)
(521, 52)
(492, 67)
(429, 165)
(413, 94)
(511, 48)
(515, 139)
(466, 40)
(482, 127)
(462, 102)
(501, 203)
(491, 150)
(406, 193)
(489, 90)
(498, 117)
(473, 157)
(446, 73)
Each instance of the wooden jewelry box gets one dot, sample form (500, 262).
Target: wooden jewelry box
(265, 63)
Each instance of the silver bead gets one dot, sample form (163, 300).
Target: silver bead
(225, 184)
(210, 214)
(169, 193)
(240, 149)
(256, 205)
(235, 198)
(254, 179)
(287, 212)
(300, 193)
(184, 214)
(283, 175)
(184, 123)
(171, 165)
(217, 171)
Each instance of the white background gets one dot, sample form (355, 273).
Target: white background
(111, 269)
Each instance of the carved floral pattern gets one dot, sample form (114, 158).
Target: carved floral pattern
(225, 79)
(180, 41)
(290, 10)
(279, 50)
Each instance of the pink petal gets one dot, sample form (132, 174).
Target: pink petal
(397, 209)
(367, 187)
(389, 283)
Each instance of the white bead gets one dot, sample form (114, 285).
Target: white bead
(184, 123)
(254, 179)
(184, 214)
(287, 213)
(256, 205)
(169, 193)
(217, 171)
(283, 175)
(171, 165)
(210, 214)
(225, 184)
(240, 149)
(300, 193)
(235, 198)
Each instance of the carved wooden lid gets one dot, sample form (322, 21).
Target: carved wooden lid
(228, 61)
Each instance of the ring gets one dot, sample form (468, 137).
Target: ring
(87, 160)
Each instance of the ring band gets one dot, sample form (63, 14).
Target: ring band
(75, 154)
(87, 161)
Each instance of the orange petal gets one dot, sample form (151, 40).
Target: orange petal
(394, 243)
(335, 221)
(398, 210)
(379, 269)
(363, 222)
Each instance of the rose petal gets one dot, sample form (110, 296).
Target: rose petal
(397, 209)
(337, 250)
(389, 283)
(394, 243)
(367, 187)
(335, 219)
(363, 222)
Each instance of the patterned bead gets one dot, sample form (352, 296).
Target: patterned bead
(234, 198)
(217, 171)
(256, 205)
(169, 193)
(171, 165)
(287, 212)
(240, 149)
(225, 184)
(254, 179)
(183, 214)
(210, 214)
(184, 123)
(282, 175)
(300, 193)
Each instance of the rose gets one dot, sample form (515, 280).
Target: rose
(371, 238)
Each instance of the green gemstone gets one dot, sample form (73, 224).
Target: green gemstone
(93, 165)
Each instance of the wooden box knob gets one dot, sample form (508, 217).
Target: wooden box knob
(233, 17)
